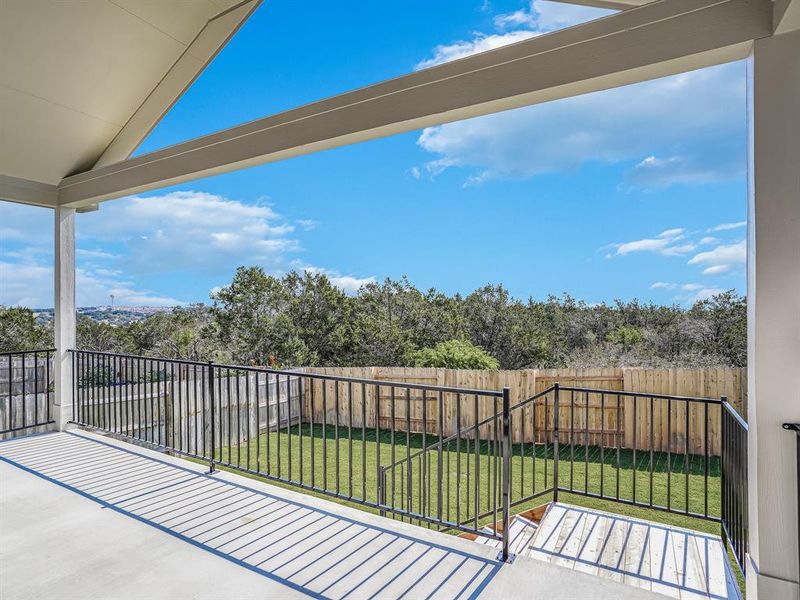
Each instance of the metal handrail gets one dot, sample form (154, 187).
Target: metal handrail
(303, 373)
(198, 406)
(16, 409)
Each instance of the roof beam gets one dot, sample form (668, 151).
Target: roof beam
(25, 191)
(197, 56)
(642, 43)
(786, 16)
(612, 4)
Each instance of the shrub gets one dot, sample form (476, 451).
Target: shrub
(626, 336)
(454, 354)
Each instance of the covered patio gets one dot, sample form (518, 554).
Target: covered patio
(136, 523)
(85, 515)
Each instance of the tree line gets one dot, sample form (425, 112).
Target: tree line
(302, 319)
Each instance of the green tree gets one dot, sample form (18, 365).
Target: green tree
(253, 321)
(19, 330)
(504, 327)
(320, 314)
(103, 337)
(725, 317)
(454, 354)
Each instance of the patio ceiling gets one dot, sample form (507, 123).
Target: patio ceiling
(82, 83)
(654, 40)
(74, 151)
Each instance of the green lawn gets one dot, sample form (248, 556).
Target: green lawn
(348, 464)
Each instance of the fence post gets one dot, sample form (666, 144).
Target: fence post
(506, 473)
(212, 427)
(556, 416)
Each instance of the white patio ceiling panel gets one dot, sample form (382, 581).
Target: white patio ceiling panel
(74, 74)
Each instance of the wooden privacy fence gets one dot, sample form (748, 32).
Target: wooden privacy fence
(594, 418)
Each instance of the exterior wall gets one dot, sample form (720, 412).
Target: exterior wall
(773, 298)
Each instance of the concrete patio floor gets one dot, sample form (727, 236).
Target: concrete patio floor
(84, 516)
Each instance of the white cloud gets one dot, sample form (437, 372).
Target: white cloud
(722, 259)
(540, 16)
(729, 226)
(659, 173)
(543, 15)
(717, 270)
(645, 245)
(26, 284)
(558, 15)
(94, 288)
(685, 129)
(706, 293)
(347, 283)
(95, 254)
(480, 43)
(664, 244)
(694, 123)
(678, 250)
(689, 293)
(31, 284)
(190, 231)
(307, 224)
(708, 241)
(132, 240)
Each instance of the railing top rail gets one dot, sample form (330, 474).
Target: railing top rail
(21, 352)
(534, 398)
(302, 373)
(470, 428)
(567, 388)
(732, 411)
(400, 384)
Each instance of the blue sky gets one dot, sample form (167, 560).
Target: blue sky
(634, 192)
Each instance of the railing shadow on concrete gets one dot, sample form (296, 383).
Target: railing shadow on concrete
(305, 547)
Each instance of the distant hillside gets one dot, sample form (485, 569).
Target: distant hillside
(117, 315)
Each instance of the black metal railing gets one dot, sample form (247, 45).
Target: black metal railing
(26, 387)
(657, 451)
(734, 482)
(488, 466)
(326, 434)
(652, 450)
(445, 457)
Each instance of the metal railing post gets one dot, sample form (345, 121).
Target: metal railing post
(382, 488)
(556, 415)
(212, 426)
(506, 474)
(723, 468)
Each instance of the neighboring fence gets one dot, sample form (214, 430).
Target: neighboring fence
(26, 386)
(165, 402)
(603, 418)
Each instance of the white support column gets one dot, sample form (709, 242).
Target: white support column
(773, 296)
(64, 332)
